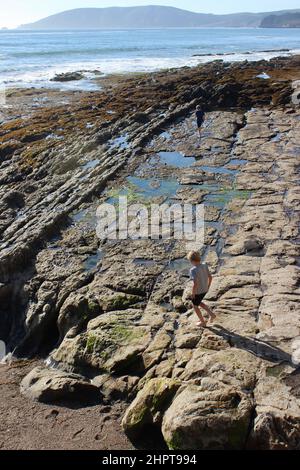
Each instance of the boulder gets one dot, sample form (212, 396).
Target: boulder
(113, 342)
(116, 388)
(14, 199)
(67, 77)
(49, 385)
(77, 310)
(277, 422)
(207, 417)
(251, 246)
(148, 407)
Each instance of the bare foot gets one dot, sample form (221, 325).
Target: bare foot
(201, 324)
(212, 318)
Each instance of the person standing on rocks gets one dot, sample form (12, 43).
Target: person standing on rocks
(202, 279)
(200, 118)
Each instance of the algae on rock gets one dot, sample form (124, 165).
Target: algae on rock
(149, 405)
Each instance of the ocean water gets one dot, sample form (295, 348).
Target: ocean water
(32, 58)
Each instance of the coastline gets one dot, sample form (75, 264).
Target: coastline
(23, 100)
(92, 79)
(60, 160)
(109, 52)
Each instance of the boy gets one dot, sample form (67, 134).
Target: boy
(200, 118)
(202, 281)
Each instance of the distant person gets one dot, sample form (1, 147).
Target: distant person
(202, 279)
(200, 118)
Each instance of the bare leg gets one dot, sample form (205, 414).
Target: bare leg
(199, 315)
(210, 313)
(199, 130)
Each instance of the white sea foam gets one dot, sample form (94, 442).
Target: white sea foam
(40, 77)
(24, 64)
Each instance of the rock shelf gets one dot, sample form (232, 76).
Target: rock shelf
(114, 317)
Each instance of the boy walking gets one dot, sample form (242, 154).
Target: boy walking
(200, 119)
(202, 279)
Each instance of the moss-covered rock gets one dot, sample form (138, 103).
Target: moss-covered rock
(77, 310)
(149, 405)
(112, 301)
(113, 342)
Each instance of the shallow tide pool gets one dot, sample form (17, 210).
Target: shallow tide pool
(176, 159)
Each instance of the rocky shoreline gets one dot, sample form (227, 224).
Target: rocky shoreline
(113, 318)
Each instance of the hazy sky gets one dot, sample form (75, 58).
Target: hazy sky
(15, 12)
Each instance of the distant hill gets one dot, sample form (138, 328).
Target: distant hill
(287, 20)
(144, 17)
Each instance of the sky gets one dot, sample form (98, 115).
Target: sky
(16, 12)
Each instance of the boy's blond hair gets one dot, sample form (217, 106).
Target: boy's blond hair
(194, 256)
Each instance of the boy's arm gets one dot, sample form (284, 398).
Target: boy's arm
(210, 278)
(194, 290)
(192, 277)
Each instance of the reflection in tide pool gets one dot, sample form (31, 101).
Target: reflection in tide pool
(176, 159)
(181, 265)
(150, 188)
(91, 164)
(120, 142)
(92, 261)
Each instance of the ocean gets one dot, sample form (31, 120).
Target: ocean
(32, 58)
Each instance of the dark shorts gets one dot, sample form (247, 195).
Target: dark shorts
(198, 299)
(199, 124)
